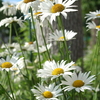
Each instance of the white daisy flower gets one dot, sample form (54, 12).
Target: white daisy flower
(9, 20)
(78, 82)
(13, 63)
(54, 70)
(11, 46)
(8, 9)
(58, 35)
(42, 48)
(93, 15)
(53, 9)
(19, 48)
(25, 5)
(37, 19)
(78, 68)
(50, 92)
(18, 78)
(8, 49)
(96, 89)
(92, 25)
(37, 59)
(29, 46)
(4, 53)
(35, 15)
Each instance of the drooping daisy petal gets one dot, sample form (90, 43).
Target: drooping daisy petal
(93, 15)
(9, 20)
(8, 9)
(92, 25)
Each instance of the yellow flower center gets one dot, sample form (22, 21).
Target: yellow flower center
(37, 13)
(10, 5)
(6, 65)
(78, 83)
(27, 1)
(15, 69)
(30, 42)
(57, 8)
(98, 15)
(41, 0)
(57, 71)
(61, 38)
(47, 94)
(74, 65)
(98, 26)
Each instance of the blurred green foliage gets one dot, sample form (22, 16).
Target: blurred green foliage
(87, 6)
(90, 5)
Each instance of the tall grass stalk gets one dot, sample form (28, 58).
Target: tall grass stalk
(21, 49)
(60, 24)
(10, 34)
(6, 93)
(33, 23)
(10, 86)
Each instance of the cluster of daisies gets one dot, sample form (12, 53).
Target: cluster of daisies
(66, 75)
(46, 10)
(26, 47)
(93, 16)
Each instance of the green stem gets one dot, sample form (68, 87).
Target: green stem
(65, 98)
(50, 26)
(60, 50)
(6, 92)
(35, 36)
(6, 47)
(30, 37)
(10, 34)
(65, 43)
(96, 53)
(80, 95)
(45, 43)
(73, 94)
(97, 56)
(21, 49)
(10, 86)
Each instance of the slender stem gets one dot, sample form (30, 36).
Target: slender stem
(73, 95)
(30, 32)
(97, 56)
(21, 48)
(35, 36)
(6, 47)
(50, 26)
(80, 95)
(65, 43)
(10, 86)
(65, 98)
(30, 38)
(6, 92)
(45, 43)
(10, 34)
(95, 63)
(60, 50)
